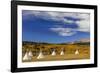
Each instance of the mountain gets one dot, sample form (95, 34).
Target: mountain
(85, 40)
(36, 43)
(81, 42)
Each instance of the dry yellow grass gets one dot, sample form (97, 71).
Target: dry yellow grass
(84, 52)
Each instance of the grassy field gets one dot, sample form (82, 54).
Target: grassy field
(47, 49)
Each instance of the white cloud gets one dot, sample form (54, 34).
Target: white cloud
(83, 24)
(68, 21)
(66, 34)
(63, 31)
(83, 30)
(68, 31)
(54, 16)
(60, 16)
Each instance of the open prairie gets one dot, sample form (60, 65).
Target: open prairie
(52, 52)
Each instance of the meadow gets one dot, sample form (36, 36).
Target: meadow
(52, 52)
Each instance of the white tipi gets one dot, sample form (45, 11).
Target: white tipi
(30, 54)
(53, 53)
(62, 52)
(40, 55)
(26, 56)
(76, 52)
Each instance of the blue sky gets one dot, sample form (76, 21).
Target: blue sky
(54, 27)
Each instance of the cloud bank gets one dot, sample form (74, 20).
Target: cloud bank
(82, 20)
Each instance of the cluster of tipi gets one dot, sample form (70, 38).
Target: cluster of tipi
(29, 55)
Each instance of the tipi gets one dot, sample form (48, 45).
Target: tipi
(53, 53)
(30, 54)
(62, 52)
(76, 52)
(26, 56)
(40, 55)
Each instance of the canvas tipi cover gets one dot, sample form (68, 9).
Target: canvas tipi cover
(26, 56)
(40, 55)
(76, 52)
(53, 53)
